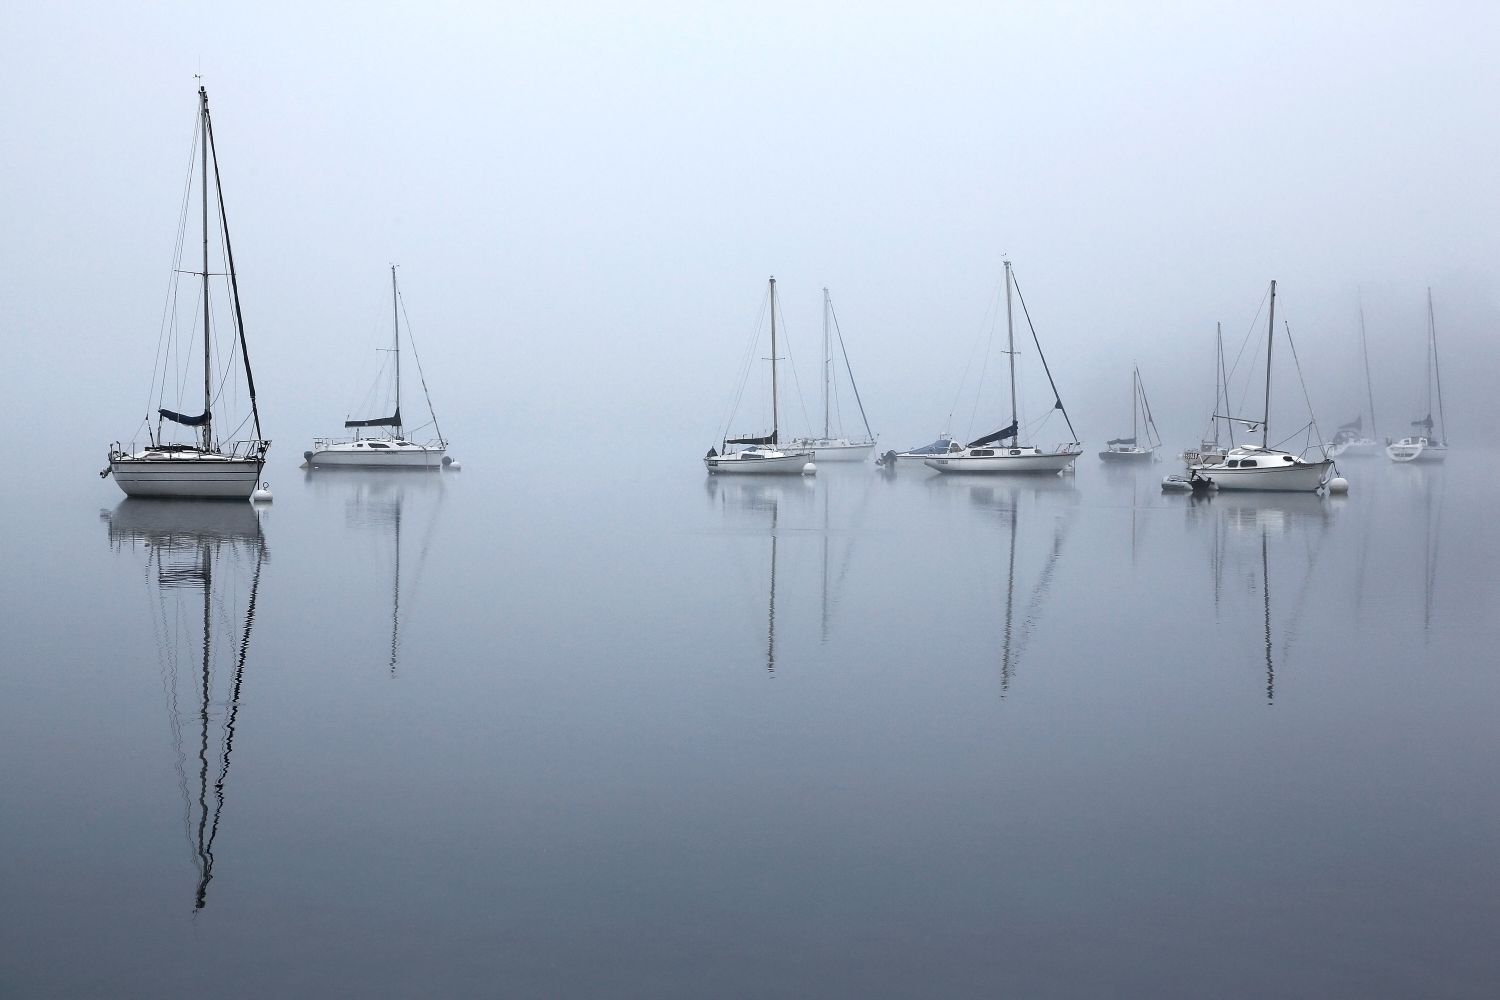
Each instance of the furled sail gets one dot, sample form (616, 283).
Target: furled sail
(768, 439)
(184, 419)
(392, 421)
(1000, 435)
(1129, 440)
(1424, 422)
(1356, 425)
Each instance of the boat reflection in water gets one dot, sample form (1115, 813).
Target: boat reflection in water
(762, 500)
(1028, 500)
(375, 500)
(203, 565)
(1252, 534)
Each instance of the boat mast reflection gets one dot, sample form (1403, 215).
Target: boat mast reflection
(198, 555)
(377, 500)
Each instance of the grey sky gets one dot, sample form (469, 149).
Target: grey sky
(586, 201)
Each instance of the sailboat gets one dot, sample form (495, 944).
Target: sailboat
(207, 467)
(388, 448)
(981, 455)
(1350, 440)
(1422, 445)
(831, 448)
(1210, 450)
(202, 558)
(760, 454)
(1261, 467)
(1127, 449)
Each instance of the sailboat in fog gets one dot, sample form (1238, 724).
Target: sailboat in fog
(760, 454)
(983, 455)
(834, 445)
(1130, 450)
(389, 447)
(1423, 445)
(1350, 440)
(209, 466)
(1261, 467)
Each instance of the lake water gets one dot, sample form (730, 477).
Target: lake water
(611, 730)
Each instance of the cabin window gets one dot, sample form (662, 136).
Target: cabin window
(1015, 451)
(982, 452)
(1233, 463)
(1248, 463)
(1286, 458)
(374, 445)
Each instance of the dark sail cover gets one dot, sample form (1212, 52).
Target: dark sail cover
(1424, 422)
(937, 447)
(184, 419)
(1000, 435)
(768, 439)
(391, 421)
(1122, 440)
(1356, 425)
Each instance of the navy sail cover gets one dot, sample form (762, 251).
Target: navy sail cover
(768, 439)
(1130, 440)
(184, 419)
(392, 421)
(1000, 435)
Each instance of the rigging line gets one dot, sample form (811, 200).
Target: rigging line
(986, 323)
(1045, 367)
(234, 281)
(1313, 417)
(747, 361)
(796, 383)
(849, 368)
(984, 370)
(169, 305)
(1254, 330)
(421, 376)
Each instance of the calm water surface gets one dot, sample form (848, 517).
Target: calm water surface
(635, 732)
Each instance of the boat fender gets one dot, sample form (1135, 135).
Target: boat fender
(1338, 486)
(455, 466)
(262, 495)
(809, 469)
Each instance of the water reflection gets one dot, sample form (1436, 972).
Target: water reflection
(203, 564)
(1243, 527)
(1016, 502)
(376, 501)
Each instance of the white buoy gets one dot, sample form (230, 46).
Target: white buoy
(262, 495)
(454, 466)
(810, 469)
(1338, 486)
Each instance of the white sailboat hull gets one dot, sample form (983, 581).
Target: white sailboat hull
(377, 454)
(758, 464)
(1292, 477)
(1128, 455)
(1014, 460)
(1357, 448)
(186, 477)
(1416, 450)
(837, 450)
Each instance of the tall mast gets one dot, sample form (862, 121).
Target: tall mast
(396, 335)
(1010, 342)
(1265, 427)
(827, 363)
(1135, 399)
(1220, 387)
(1364, 348)
(207, 364)
(1436, 371)
(775, 413)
